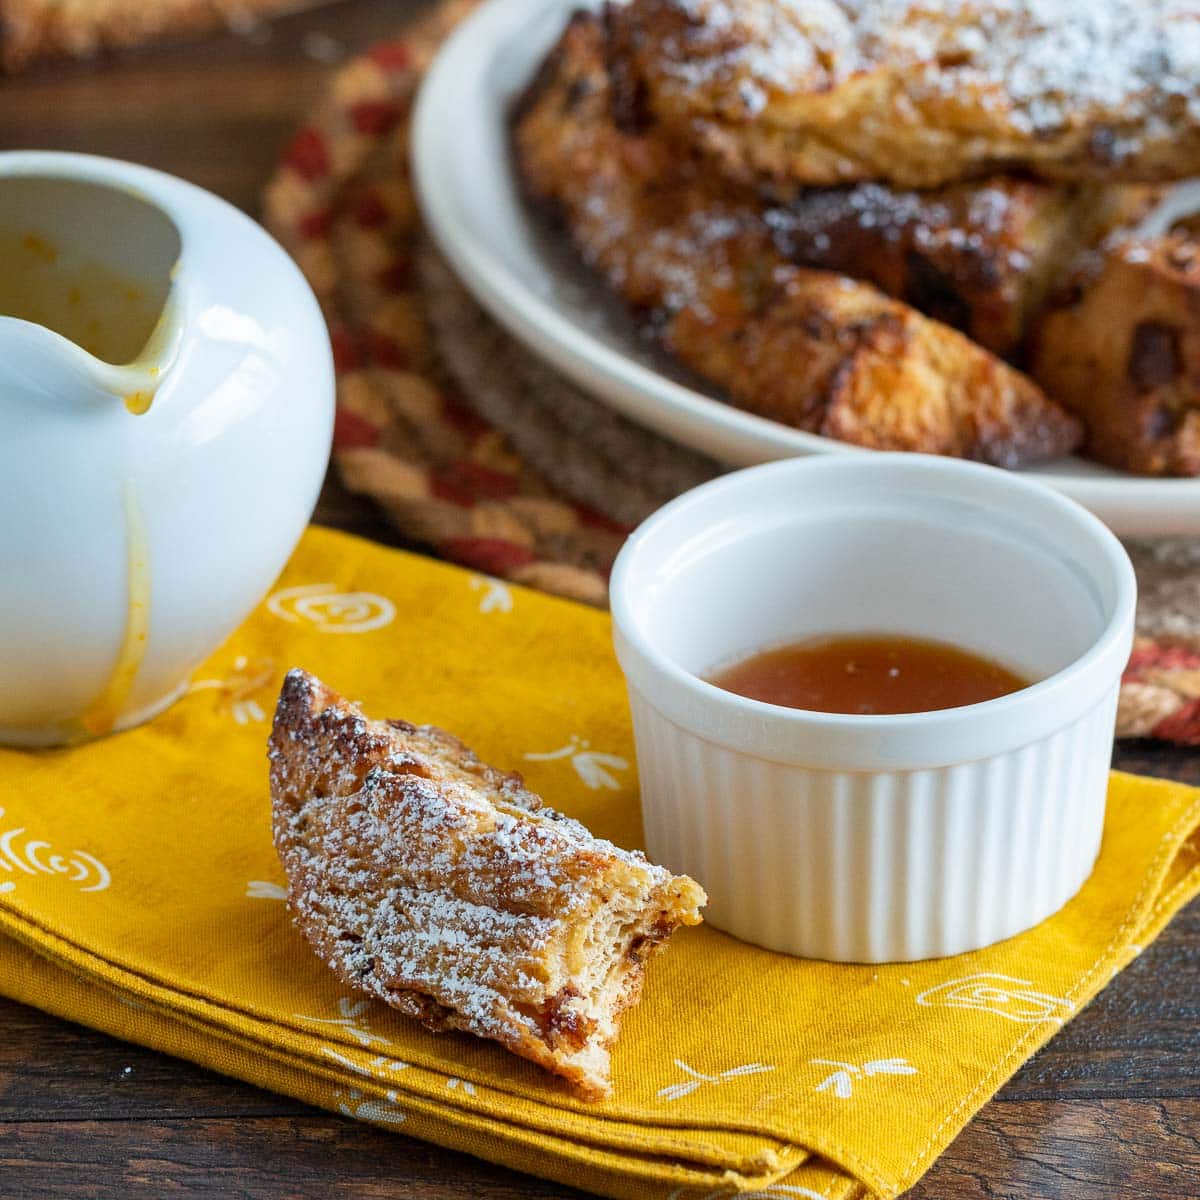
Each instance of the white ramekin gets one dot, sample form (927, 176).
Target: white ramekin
(875, 838)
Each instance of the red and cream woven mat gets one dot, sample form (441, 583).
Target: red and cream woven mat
(477, 449)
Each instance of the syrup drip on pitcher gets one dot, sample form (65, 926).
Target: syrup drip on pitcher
(102, 714)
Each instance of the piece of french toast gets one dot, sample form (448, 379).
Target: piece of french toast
(1122, 350)
(441, 886)
(693, 256)
(981, 256)
(921, 93)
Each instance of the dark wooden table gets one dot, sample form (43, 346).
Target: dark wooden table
(1109, 1111)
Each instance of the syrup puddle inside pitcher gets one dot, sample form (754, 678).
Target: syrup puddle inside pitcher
(109, 314)
(91, 263)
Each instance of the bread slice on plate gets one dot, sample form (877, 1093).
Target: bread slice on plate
(982, 256)
(1122, 350)
(924, 94)
(443, 887)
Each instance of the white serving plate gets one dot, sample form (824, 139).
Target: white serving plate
(525, 279)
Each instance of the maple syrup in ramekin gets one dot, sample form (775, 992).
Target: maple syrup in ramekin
(869, 675)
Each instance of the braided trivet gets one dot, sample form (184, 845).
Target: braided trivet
(473, 446)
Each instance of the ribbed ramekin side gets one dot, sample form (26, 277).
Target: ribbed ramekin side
(876, 866)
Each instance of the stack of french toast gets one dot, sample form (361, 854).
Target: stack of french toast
(915, 226)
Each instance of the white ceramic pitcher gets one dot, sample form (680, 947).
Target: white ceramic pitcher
(166, 411)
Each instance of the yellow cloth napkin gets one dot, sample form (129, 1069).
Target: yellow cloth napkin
(140, 894)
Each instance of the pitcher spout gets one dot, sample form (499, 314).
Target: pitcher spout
(39, 365)
(136, 383)
(90, 303)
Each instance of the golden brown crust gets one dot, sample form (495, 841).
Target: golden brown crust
(982, 257)
(441, 886)
(1123, 351)
(920, 95)
(696, 258)
(36, 29)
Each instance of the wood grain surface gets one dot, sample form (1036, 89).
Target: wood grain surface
(1110, 1110)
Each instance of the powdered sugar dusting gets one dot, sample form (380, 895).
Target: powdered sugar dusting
(438, 884)
(976, 217)
(1052, 62)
